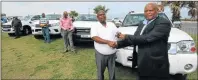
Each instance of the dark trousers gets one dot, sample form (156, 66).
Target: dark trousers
(17, 31)
(103, 61)
(46, 35)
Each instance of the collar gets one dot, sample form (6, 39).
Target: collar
(65, 18)
(103, 25)
(145, 22)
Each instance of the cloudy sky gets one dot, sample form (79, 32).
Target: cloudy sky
(117, 9)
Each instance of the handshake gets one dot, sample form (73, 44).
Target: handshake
(113, 44)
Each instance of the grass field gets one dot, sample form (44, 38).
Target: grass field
(29, 58)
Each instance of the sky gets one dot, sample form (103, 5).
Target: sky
(116, 9)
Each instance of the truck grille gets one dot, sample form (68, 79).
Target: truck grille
(6, 26)
(84, 30)
(37, 25)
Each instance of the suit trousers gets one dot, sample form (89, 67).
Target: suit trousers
(17, 31)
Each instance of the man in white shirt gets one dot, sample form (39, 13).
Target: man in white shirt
(104, 34)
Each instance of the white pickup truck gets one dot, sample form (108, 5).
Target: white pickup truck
(53, 26)
(82, 26)
(182, 52)
(26, 25)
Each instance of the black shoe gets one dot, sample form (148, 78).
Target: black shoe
(65, 51)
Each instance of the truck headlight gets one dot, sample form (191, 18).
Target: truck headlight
(33, 25)
(182, 47)
(186, 47)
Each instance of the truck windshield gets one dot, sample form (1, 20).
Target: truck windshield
(86, 17)
(26, 18)
(53, 16)
(135, 19)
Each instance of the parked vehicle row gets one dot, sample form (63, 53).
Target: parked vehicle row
(27, 22)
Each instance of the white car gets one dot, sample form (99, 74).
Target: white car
(53, 26)
(82, 26)
(26, 25)
(182, 51)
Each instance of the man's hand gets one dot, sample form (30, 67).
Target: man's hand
(112, 44)
(120, 35)
(71, 29)
(42, 25)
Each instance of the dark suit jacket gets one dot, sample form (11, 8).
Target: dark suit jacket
(16, 23)
(152, 57)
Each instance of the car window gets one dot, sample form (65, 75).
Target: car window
(86, 17)
(135, 19)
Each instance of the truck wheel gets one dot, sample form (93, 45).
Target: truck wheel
(37, 36)
(11, 34)
(26, 31)
(179, 77)
(74, 43)
(118, 64)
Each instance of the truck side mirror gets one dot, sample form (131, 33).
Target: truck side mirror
(118, 25)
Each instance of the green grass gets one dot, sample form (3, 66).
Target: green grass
(29, 58)
(194, 75)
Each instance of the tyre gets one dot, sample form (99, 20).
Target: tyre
(74, 40)
(118, 64)
(11, 34)
(179, 77)
(37, 36)
(26, 31)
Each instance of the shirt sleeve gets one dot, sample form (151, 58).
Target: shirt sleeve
(94, 31)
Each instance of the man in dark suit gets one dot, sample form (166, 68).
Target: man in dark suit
(16, 23)
(151, 44)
